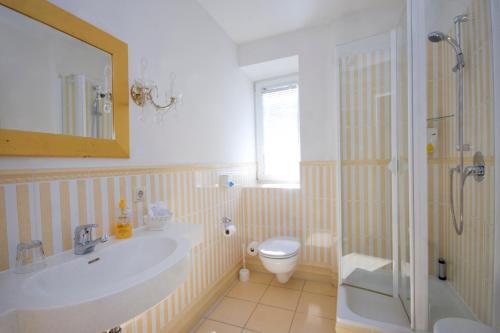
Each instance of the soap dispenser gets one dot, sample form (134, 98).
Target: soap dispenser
(123, 227)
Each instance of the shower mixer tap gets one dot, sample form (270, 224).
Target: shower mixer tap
(475, 170)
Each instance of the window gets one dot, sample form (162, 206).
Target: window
(278, 136)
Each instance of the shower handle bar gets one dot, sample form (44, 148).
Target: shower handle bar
(459, 70)
(459, 225)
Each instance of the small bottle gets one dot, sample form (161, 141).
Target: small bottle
(123, 227)
(442, 269)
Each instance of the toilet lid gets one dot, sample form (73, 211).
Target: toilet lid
(460, 325)
(279, 248)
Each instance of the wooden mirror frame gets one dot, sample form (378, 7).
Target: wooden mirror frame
(24, 143)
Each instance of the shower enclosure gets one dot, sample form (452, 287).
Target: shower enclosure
(373, 172)
(416, 177)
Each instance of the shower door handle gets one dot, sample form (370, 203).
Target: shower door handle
(393, 165)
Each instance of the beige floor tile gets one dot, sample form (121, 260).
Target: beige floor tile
(233, 311)
(281, 297)
(317, 305)
(268, 319)
(304, 323)
(210, 326)
(259, 277)
(247, 291)
(296, 284)
(322, 288)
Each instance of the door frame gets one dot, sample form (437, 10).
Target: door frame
(418, 186)
(495, 22)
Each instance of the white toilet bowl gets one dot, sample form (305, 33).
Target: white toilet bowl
(280, 256)
(461, 325)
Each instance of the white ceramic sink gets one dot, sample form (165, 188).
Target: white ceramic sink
(82, 294)
(118, 266)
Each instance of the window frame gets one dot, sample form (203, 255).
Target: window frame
(259, 86)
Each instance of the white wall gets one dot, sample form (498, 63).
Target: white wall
(315, 48)
(215, 124)
(440, 14)
(272, 69)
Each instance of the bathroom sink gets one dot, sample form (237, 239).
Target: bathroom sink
(109, 270)
(97, 291)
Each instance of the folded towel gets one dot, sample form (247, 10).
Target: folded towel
(159, 209)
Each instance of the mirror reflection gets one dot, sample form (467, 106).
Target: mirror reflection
(51, 82)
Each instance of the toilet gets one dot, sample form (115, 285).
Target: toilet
(279, 256)
(461, 325)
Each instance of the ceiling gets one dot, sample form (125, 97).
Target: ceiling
(248, 20)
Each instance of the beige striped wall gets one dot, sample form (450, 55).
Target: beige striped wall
(47, 205)
(365, 102)
(470, 256)
(307, 213)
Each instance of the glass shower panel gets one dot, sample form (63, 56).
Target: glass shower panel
(365, 104)
(401, 145)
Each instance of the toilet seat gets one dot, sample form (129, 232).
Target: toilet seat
(461, 325)
(279, 248)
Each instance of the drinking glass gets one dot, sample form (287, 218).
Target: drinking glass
(30, 257)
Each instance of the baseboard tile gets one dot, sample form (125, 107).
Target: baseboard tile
(305, 271)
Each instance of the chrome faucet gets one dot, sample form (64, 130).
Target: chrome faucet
(83, 239)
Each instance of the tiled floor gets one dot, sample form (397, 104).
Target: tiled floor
(266, 306)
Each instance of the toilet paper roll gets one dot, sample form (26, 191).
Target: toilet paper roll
(252, 248)
(229, 230)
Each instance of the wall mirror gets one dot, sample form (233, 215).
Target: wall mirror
(63, 84)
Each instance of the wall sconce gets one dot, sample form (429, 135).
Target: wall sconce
(103, 100)
(147, 93)
(142, 94)
(104, 95)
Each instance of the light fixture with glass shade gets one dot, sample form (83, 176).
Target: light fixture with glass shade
(145, 92)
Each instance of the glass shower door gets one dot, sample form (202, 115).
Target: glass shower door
(400, 144)
(373, 90)
(367, 163)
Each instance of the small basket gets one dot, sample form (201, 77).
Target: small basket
(157, 223)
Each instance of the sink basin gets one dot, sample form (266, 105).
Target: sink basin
(97, 291)
(115, 268)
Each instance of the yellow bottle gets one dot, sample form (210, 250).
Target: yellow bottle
(123, 228)
(430, 148)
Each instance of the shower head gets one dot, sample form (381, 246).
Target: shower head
(438, 36)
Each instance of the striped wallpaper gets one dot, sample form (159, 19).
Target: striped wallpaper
(307, 213)
(47, 205)
(365, 102)
(470, 256)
